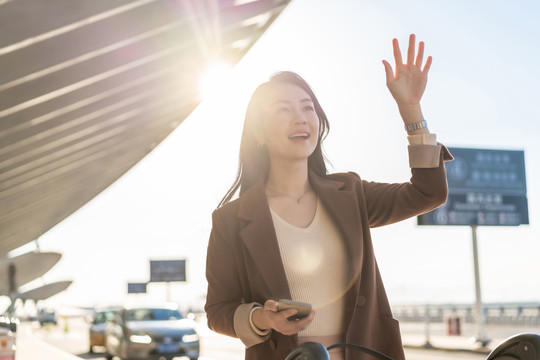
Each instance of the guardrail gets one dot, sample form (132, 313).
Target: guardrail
(527, 314)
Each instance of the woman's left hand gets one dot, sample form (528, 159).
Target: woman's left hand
(408, 83)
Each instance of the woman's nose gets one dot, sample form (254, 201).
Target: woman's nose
(299, 117)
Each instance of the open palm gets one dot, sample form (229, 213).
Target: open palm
(408, 83)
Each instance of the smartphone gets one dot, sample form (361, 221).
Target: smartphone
(303, 308)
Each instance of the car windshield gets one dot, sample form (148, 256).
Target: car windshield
(152, 314)
(103, 316)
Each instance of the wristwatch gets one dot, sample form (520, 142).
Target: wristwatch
(416, 126)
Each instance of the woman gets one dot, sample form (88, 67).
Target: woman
(296, 232)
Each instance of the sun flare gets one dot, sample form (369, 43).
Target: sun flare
(214, 80)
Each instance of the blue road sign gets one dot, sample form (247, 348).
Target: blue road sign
(167, 270)
(486, 187)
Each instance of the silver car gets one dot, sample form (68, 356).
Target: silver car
(151, 333)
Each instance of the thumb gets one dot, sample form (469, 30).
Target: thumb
(271, 305)
(389, 71)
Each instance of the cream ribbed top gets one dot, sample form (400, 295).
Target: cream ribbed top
(314, 262)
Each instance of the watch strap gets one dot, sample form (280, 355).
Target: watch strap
(416, 126)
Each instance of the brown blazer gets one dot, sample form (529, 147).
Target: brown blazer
(244, 263)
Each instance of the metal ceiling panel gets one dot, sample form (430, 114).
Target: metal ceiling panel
(89, 87)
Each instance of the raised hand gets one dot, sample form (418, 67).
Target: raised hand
(409, 81)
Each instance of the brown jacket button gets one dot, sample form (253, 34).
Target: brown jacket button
(361, 301)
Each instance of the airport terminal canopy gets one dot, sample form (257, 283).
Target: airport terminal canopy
(89, 87)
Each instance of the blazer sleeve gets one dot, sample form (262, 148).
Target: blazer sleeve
(426, 190)
(224, 289)
(226, 309)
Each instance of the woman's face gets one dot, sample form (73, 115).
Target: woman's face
(290, 125)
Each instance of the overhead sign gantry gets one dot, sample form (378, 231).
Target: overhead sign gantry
(485, 188)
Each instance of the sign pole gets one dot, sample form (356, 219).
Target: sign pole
(486, 187)
(480, 319)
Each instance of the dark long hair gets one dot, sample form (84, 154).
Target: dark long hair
(254, 160)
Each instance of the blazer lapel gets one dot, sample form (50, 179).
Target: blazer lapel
(260, 240)
(342, 205)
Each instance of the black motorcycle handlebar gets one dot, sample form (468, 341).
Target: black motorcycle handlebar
(524, 346)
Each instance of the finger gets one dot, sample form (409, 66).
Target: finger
(397, 53)
(428, 65)
(271, 305)
(304, 322)
(308, 319)
(411, 51)
(389, 71)
(420, 55)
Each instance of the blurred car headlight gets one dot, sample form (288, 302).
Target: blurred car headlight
(140, 339)
(190, 338)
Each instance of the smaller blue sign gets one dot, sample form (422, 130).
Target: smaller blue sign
(136, 288)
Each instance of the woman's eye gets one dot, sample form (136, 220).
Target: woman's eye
(309, 107)
(283, 110)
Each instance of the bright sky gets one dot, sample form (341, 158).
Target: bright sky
(482, 93)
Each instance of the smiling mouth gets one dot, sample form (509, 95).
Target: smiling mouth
(299, 136)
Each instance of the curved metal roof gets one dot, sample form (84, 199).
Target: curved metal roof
(22, 269)
(89, 87)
